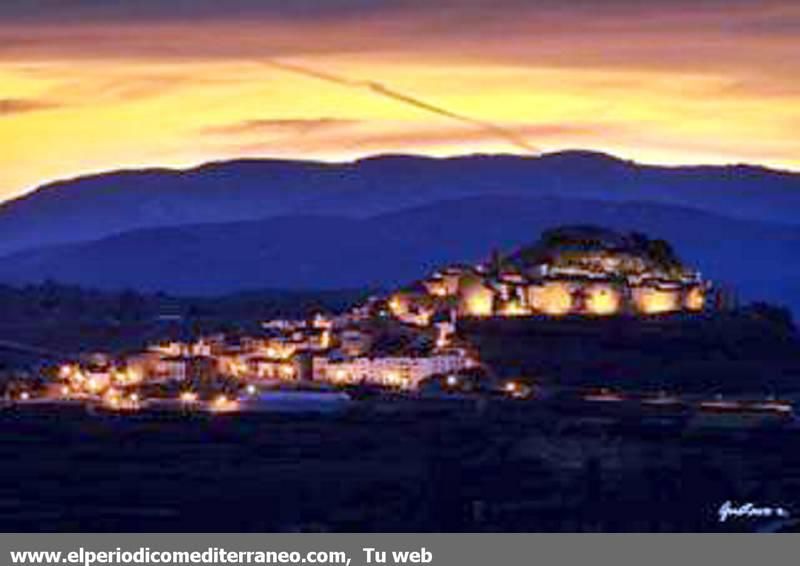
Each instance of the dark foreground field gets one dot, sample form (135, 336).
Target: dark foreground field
(508, 467)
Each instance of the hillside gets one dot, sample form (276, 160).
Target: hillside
(751, 352)
(101, 205)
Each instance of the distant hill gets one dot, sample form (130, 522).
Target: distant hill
(102, 205)
(759, 259)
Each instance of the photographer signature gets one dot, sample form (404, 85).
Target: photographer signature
(749, 511)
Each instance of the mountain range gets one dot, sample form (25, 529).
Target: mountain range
(377, 222)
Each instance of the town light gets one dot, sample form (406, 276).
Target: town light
(695, 299)
(479, 302)
(236, 368)
(188, 396)
(129, 376)
(514, 308)
(325, 339)
(442, 336)
(223, 404)
(438, 290)
(396, 306)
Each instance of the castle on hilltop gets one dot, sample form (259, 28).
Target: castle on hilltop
(581, 270)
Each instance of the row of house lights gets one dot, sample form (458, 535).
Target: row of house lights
(114, 399)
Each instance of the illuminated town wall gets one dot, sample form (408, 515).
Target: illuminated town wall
(603, 300)
(652, 300)
(552, 297)
(571, 271)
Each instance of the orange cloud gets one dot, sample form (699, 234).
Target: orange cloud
(287, 125)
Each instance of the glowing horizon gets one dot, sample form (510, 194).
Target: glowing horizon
(97, 89)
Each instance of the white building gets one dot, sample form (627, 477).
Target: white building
(401, 372)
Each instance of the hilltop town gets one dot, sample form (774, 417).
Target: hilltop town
(575, 270)
(434, 337)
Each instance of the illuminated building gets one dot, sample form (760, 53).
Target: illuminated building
(271, 368)
(576, 271)
(602, 300)
(180, 368)
(656, 300)
(475, 297)
(222, 404)
(695, 299)
(279, 349)
(402, 372)
(412, 307)
(552, 298)
(445, 329)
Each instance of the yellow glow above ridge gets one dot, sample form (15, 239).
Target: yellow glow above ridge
(669, 84)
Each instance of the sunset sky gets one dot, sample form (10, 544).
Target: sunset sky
(94, 85)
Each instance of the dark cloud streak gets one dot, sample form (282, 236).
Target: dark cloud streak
(381, 89)
(10, 106)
